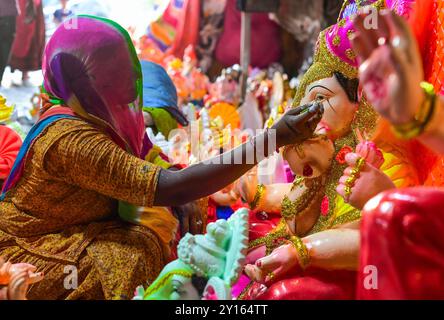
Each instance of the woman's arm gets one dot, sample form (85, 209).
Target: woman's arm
(202, 179)
(85, 157)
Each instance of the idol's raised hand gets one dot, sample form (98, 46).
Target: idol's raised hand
(361, 181)
(390, 66)
(298, 124)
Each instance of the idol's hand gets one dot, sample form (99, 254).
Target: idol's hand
(7, 270)
(390, 67)
(369, 182)
(18, 286)
(247, 185)
(371, 153)
(298, 124)
(274, 266)
(228, 196)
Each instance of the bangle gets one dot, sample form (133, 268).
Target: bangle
(257, 197)
(301, 248)
(417, 126)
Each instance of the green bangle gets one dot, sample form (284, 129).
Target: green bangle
(417, 126)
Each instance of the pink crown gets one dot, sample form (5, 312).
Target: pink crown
(338, 36)
(338, 43)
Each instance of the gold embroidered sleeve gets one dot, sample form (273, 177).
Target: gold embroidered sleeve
(91, 160)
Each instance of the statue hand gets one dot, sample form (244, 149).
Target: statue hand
(17, 277)
(371, 153)
(298, 124)
(7, 270)
(370, 182)
(390, 70)
(247, 185)
(274, 266)
(228, 196)
(32, 276)
(20, 282)
(18, 286)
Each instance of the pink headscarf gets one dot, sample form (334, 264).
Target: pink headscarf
(92, 68)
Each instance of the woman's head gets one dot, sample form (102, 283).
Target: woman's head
(93, 68)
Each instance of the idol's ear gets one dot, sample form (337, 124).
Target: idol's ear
(216, 289)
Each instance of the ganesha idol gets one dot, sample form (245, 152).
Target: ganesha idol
(304, 236)
(207, 265)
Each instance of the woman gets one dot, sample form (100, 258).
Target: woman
(83, 160)
(29, 42)
(313, 252)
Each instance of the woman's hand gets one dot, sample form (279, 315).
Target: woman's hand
(274, 266)
(191, 218)
(390, 70)
(298, 124)
(370, 182)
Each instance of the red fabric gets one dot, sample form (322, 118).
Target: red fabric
(313, 284)
(402, 237)
(427, 23)
(265, 39)
(29, 42)
(187, 28)
(10, 143)
(212, 214)
(262, 223)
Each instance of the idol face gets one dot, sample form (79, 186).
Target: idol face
(183, 289)
(339, 111)
(177, 288)
(314, 156)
